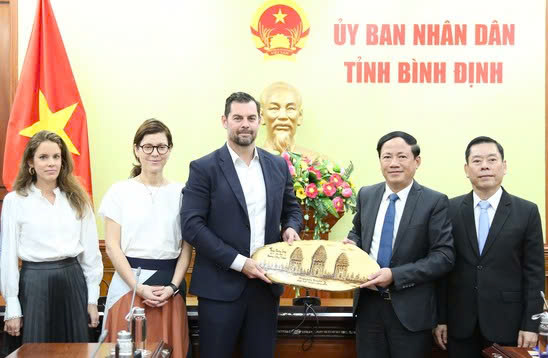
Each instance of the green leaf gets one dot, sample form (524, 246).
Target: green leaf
(321, 210)
(317, 232)
(330, 207)
(348, 171)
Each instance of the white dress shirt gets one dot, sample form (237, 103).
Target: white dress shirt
(252, 182)
(400, 205)
(35, 230)
(494, 200)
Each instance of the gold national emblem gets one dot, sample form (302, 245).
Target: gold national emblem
(279, 29)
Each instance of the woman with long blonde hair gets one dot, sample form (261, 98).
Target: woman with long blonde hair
(48, 223)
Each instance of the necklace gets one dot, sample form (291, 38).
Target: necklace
(152, 193)
(152, 190)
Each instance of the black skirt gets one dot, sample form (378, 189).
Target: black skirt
(53, 298)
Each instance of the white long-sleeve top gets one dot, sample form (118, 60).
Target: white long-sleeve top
(35, 230)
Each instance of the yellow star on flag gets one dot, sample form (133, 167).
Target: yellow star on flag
(53, 122)
(280, 17)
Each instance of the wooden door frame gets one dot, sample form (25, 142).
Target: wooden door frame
(13, 73)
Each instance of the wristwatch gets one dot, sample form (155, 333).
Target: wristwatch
(174, 288)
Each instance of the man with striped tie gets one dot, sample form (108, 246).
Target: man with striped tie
(499, 270)
(405, 227)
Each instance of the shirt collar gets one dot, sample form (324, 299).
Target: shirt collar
(494, 200)
(235, 156)
(402, 194)
(35, 191)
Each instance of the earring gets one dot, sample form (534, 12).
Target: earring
(32, 171)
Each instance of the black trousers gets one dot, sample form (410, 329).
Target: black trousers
(471, 346)
(251, 319)
(380, 334)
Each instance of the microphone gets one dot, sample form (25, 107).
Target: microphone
(102, 338)
(130, 313)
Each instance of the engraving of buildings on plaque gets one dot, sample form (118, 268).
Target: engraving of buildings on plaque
(319, 264)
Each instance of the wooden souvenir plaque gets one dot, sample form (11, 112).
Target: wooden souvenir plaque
(318, 264)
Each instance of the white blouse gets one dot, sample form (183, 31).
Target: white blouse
(35, 230)
(148, 216)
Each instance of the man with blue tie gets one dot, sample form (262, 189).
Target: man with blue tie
(495, 287)
(405, 227)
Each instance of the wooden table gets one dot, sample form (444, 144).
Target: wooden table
(496, 351)
(334, 337)
(68, 350)
(59, 350)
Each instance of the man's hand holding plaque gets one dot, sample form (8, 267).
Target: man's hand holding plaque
(253, 270)
(381, 278)
(290, 235)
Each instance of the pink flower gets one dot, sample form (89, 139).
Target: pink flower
(287, 159)
(311, 190)
(285, 155)
(345, 185)
(291, 170)
(347, 192)
(338, 203)
(336, 179)
(329, 189)
(316, 172)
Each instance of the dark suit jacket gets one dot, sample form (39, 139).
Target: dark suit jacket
(501, 288)
(214, 219)
(423, 250)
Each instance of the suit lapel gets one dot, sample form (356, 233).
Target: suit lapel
(408, 210)
(502, 213)
(469, 222)
(371, 210)
(267, 168)
(227, 167)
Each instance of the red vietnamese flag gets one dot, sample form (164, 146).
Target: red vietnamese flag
(47, 98)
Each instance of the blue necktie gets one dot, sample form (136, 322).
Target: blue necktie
(483, 227)
(387, 234)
